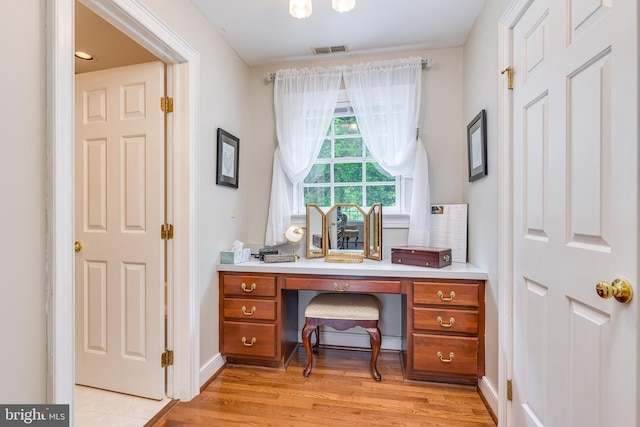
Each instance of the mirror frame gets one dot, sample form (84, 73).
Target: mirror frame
(315, 209)
(372, 229)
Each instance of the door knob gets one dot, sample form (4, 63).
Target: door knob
(620, 289)
(77, 246)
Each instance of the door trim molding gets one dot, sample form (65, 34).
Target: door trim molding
(509, 19)
(138, 22)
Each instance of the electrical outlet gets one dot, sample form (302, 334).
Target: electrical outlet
(233, 210)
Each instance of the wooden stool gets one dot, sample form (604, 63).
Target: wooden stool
(342, 311)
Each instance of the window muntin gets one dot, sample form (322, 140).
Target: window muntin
(346, 172)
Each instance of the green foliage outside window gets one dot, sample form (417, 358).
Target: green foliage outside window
(345, 171)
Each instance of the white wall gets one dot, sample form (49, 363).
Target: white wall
(22, 192)
(481, 79)
(224, 100)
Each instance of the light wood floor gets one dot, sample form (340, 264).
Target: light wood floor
(339, 392)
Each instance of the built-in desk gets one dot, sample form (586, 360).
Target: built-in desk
(442, 312)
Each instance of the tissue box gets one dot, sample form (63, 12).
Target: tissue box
(235, 257)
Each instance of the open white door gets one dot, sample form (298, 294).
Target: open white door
(119, 199)
(574, 199)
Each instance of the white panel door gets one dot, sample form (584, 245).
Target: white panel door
(119, 198)
(575, 212)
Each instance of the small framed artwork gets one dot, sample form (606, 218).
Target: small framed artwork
(228, 159)
(477, 146)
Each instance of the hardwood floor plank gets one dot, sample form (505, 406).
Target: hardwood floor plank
(340, 391)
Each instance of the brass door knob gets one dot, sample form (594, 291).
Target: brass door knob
(620, 289)
(77, 246)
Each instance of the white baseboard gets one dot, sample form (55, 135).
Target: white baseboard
(490, 393)
(211, 368)
(354, 339)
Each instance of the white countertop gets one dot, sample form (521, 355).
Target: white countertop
(368, 267)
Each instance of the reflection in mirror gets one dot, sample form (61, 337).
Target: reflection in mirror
(374, 232)
(315, 231)
(346, 229)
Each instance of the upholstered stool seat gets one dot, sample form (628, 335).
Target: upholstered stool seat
(342, 311)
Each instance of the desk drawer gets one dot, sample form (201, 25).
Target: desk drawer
(342, 284)
(249, 309)
(445, 321)
(443, 293)
(445, 355)
(259, 339)
(249, 285)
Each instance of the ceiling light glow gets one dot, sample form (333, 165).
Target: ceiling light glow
(300, 8)
(343, 5)
(84, 56)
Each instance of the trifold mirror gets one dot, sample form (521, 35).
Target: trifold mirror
(345, 229)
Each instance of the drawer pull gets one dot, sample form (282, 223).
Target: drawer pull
(253, 288)
(253, 310)
(338, 289)
(449, 360)
(253, 341)
(451, 296)
(444, 325)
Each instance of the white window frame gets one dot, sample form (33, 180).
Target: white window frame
(394, 216)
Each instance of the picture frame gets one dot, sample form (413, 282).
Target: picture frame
(228, 159)
(477, 146)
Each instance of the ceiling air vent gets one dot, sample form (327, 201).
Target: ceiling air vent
(329, 49)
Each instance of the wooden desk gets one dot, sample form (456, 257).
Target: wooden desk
(442, 312)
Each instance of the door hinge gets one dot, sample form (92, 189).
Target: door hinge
(509, 389)
(166, 359)
(509, 71)
(166, 104)
(166, 232)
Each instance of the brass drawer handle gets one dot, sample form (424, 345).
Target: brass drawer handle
(248, 313)
(444, 325)
(253, 288)
(338, 289)
(253, 341)
(451, 296)
(446, 258)
(449, 360)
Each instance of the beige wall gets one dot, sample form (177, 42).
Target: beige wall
(22, 195)
(481, 79)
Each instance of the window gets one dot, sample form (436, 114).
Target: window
(345, 171)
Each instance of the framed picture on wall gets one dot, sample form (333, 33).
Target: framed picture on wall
(228, 159)
(477, 146)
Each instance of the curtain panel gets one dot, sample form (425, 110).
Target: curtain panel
(304, 102)
(385, 96)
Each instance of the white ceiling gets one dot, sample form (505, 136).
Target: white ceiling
(262, 31)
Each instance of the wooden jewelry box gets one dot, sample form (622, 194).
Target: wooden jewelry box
(422, 256)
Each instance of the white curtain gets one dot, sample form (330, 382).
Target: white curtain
(385, 96)
(305, 100)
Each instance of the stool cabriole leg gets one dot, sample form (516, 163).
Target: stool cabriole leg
(306, 341)
(375, 338)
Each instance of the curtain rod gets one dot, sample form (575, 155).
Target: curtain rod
(426, 64)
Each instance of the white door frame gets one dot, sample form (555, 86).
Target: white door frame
(505, 211)
(138, 22)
